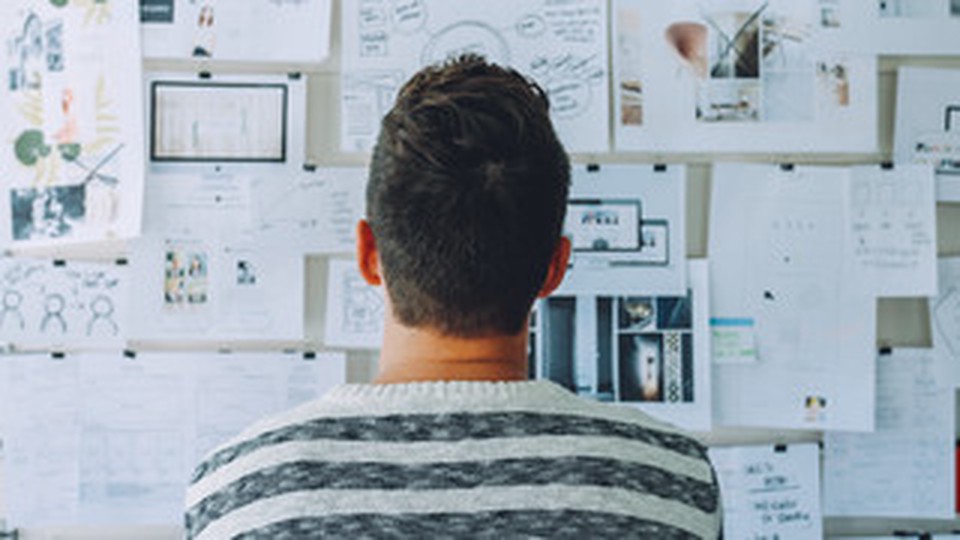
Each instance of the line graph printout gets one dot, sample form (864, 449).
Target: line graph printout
(562, 45)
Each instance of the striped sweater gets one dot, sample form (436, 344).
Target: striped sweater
(455, 459)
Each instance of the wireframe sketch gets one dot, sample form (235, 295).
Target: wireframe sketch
(51, 305)
(363, 307)
(72, 177)
(563, 47)
(354, 310)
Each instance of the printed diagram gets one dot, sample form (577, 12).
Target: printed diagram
(383, 35)
(44, 304)
(66, 120)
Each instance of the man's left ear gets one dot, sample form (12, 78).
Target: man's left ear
(368, 259)
(557, 268)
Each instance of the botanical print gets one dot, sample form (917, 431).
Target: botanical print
(73, 174)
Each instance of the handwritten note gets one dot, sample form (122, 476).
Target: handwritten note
(770, 493)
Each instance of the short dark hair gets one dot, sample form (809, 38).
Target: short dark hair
(467, 197)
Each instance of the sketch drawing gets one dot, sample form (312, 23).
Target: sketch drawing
(44, 304)
(563, 47)
(362, 308)
(71, 175)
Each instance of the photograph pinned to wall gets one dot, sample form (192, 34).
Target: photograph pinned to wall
(204, 274)
(561, 46)
(627, 226)
(927, 126)
(778, 264)
(235, 122)
(355, 309)
(651, 351)
(48, 305)
(752, 76)
(298, 31)
(311, 211)
(74, 164)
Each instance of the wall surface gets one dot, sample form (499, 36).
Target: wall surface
(900, 322)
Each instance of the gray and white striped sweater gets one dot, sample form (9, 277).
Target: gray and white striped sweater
(456, 459)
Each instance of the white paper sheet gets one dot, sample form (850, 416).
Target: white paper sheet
(563, 46)
(201, 271)
(112, 440)
(742, 76)
(649, 349)
(907, 467)
(62, 305)
(927, 126)
(892, 248)
(355, 310)
(945, 314)
(310, 212)
(237, 124)
(769, 492)
(72, 117)
(39, 419)
(237, 30)
(628, 229)
(777, 254)
(903, 27)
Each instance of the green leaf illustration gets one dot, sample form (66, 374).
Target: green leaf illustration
(30, 147)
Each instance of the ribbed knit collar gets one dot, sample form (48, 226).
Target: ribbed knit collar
(451, 391)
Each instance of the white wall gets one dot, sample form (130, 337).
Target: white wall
(901, 322)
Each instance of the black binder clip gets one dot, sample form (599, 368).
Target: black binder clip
(780, 448)
(660, 167)
(309, 355)
(294, 75)
(309, 167)
(593, 167)
(787, 167)
(204, 75)
(887, 165)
